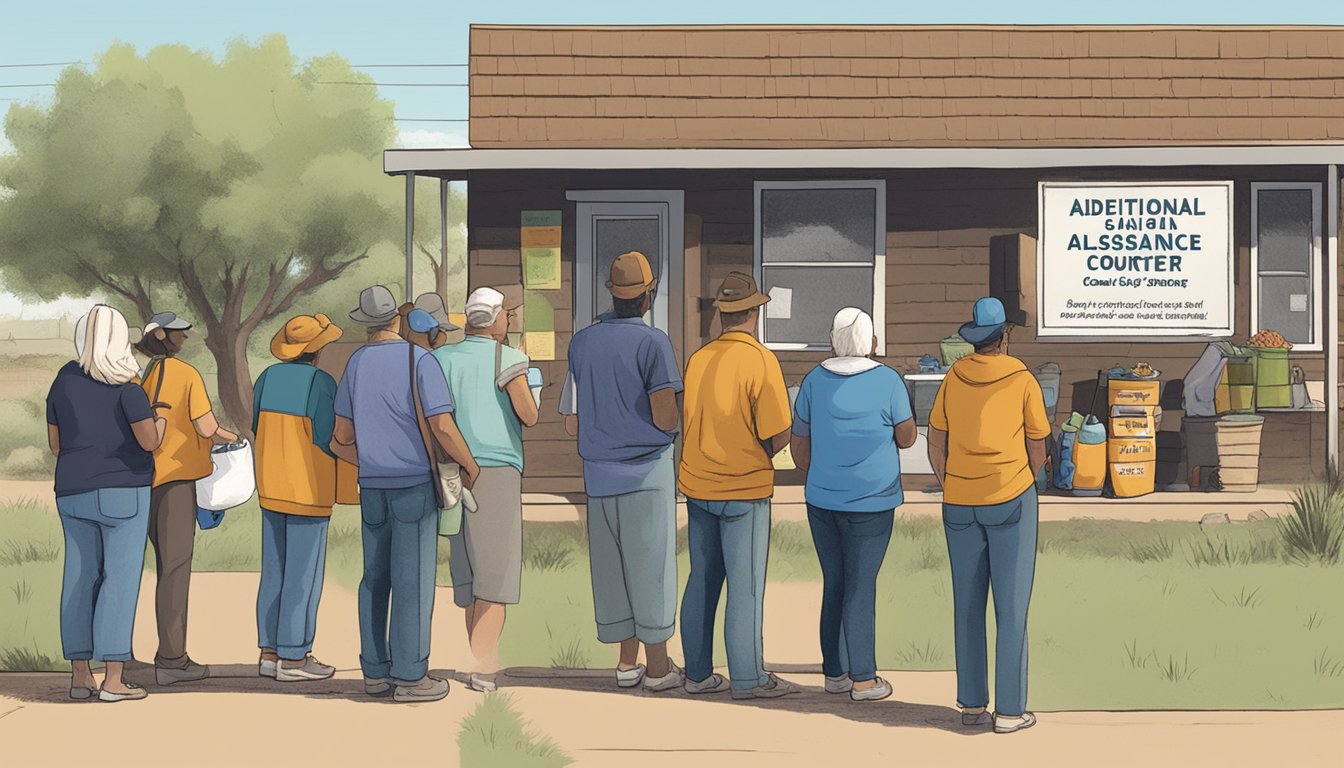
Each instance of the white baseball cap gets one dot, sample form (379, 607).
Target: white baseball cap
(483, 307)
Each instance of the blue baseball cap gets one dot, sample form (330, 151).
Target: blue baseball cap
(421, 321)
(989, 319)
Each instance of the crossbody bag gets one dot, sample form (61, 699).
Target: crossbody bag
(446, 473)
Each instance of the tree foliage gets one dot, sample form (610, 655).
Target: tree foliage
(237, 186)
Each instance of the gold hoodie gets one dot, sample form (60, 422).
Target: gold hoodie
(989, 406)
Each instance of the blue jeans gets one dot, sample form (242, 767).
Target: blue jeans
(851, 547)
(992, 545)
(104, 556)
(401, 535)
(728, 540)
(293, 560)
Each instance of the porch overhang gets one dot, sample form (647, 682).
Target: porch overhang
(456, 164)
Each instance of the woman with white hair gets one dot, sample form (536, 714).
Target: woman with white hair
(851, 416)
(103, 434)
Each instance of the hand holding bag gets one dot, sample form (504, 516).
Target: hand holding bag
(233, 480)
(446, 474)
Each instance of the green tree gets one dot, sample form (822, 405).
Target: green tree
(237, 186)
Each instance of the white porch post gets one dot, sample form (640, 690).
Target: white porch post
(410, 234)
(1332, 317)
(443, 231)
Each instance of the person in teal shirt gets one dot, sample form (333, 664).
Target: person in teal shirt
(488, 380)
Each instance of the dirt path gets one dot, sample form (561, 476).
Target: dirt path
(237, 718)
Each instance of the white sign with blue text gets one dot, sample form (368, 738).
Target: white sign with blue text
(1135, 259)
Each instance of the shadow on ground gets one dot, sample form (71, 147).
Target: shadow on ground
(813, 700)
(52, 688)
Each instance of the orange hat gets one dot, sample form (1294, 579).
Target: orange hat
(304, 334)
(631, 276)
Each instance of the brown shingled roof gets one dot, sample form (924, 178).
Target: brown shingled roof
(929, 86)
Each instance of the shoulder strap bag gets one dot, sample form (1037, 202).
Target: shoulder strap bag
(445, 472)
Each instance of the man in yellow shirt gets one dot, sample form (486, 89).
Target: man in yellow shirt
(737, 418)
(987, 436)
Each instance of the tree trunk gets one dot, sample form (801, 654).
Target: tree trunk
(441, 279)
(235, 379)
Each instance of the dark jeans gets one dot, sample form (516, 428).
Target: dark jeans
(396, 595)
(851, 547)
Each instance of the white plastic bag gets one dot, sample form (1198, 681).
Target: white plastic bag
(233, 480)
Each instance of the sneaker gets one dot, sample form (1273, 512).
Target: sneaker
(482, 683)
(775, 689)
(630, 678)
(312, 669)
(841, 684)
(266, 668)
(715, 683)
(188, 674)
(136, 693)
(377, 687)
(1005, 724)
(428, 689)
(877, 693)
(976, 717)
(675, 678)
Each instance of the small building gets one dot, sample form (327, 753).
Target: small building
(1132, 193)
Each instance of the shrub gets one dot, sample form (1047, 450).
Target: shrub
(1314, 532)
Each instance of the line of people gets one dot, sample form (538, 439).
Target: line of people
(850, 418)
(129, 456)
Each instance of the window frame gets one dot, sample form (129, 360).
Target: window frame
(1315, 263)
(878, 264)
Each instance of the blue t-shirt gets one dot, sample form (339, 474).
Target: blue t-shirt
(98, 448)
(614, 365)
(856, 466)
(375, 393)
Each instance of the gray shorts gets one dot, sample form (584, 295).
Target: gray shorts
(486, 558)
(632, 540)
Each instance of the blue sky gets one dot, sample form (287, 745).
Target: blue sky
(435, 32)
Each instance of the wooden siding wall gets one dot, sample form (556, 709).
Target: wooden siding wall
(938, 229)
(903, 86)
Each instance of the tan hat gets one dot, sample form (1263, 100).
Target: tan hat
(631, 276)
(738, 293)
(302, 335)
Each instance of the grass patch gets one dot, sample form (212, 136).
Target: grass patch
(1222, 551)
(16, 552)
(1154, 550)
(1327, 666)
(494, 734)
(1314, 532)
(29, 659)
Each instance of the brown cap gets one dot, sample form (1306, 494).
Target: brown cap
(631, 276)
(738, 293)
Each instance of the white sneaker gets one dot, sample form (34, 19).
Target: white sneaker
(841, 684)
(1004, 724)
(715, 683)
(877, 693)
(630, 678)
(266, 668)
(675, 678)
(774, 689)
(312, 669)
(481, 684)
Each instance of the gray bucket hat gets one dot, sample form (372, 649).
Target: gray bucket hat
(433, 304)
(376, 306)
(169, 321)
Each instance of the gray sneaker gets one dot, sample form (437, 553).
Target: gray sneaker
(775, 689)
(428, 689)
(675, 678)
(188, 674)
(972, 719)
(877, 693)
(312, 669)
(377, 687)
(841, 684)
(715, 683)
